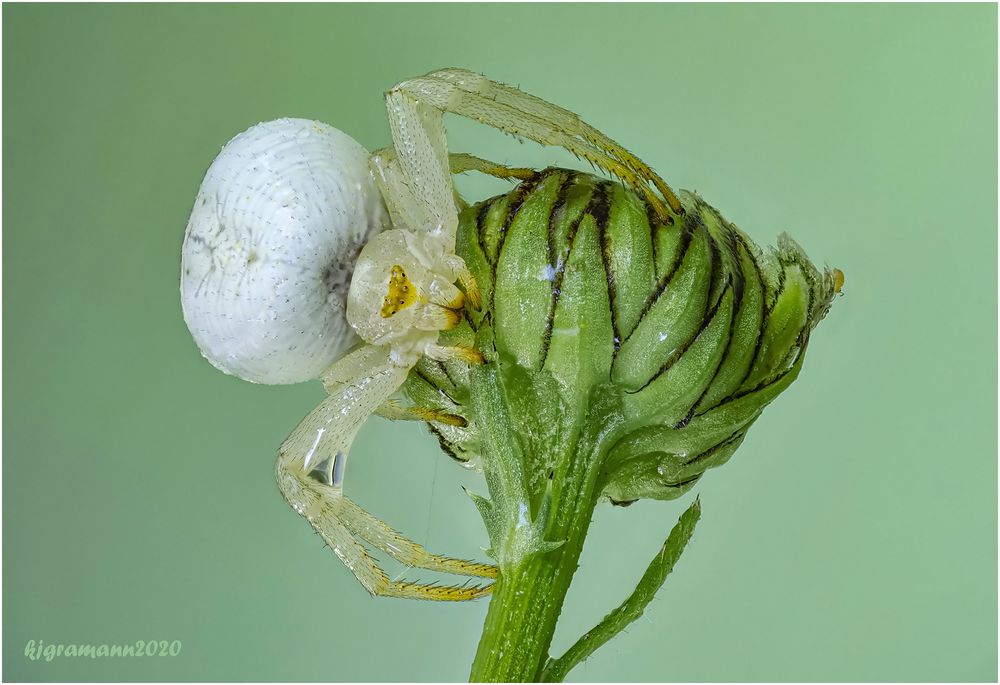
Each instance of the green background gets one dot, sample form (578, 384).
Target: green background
(854, 535)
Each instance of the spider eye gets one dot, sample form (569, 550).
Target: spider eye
(400, 295)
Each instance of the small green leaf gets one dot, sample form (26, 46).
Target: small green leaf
(633, 607)
(494, 524)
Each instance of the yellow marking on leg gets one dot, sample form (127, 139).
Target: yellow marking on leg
(838, 281)
(468, 282)
(457, 302)
(454, 318)
(469, 355)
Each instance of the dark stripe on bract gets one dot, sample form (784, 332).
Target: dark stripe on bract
(763, 319)
(516, 199)
(422, 376)
(732, 244)
(687, 234)
(446, 446)
(716, 279)
(468, 318)
(766, 382)
(722, 360)
(725, 238)
(562, 198)
(481, 216)
(769, 306)
(561, 262)
(681, 484)
(601, 213)
(444, 370)
(679, 352)
(653, 219)
(715, 448)
(555, 261)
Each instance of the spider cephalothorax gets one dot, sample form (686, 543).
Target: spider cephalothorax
(402, 295)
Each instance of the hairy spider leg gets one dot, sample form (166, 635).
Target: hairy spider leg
(460, 162)
(404, 550)
(334, 379)
(416, 182)
(566, 121)
(310, 473)
(476, 97)
(414, 175)
(456, 353)
(395, 411)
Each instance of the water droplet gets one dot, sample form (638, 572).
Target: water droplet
(522, 515)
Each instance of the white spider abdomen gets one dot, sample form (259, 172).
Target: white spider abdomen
(270, 247)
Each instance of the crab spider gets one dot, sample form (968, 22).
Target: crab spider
(402, 294)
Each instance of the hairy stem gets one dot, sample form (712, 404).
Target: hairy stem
(537, 547)
(528, 597)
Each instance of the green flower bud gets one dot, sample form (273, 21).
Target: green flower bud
(691, 325)
(644, 347)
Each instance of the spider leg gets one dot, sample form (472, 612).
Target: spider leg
(457, 353)
(414, 177)
(404, 550)
(397, 412)
(458, 270)
(337, 516)
(316, 451)
(310, 474)
(460, 162)
(406, 208)
(474, 96)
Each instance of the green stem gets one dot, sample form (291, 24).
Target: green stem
(538, 558)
